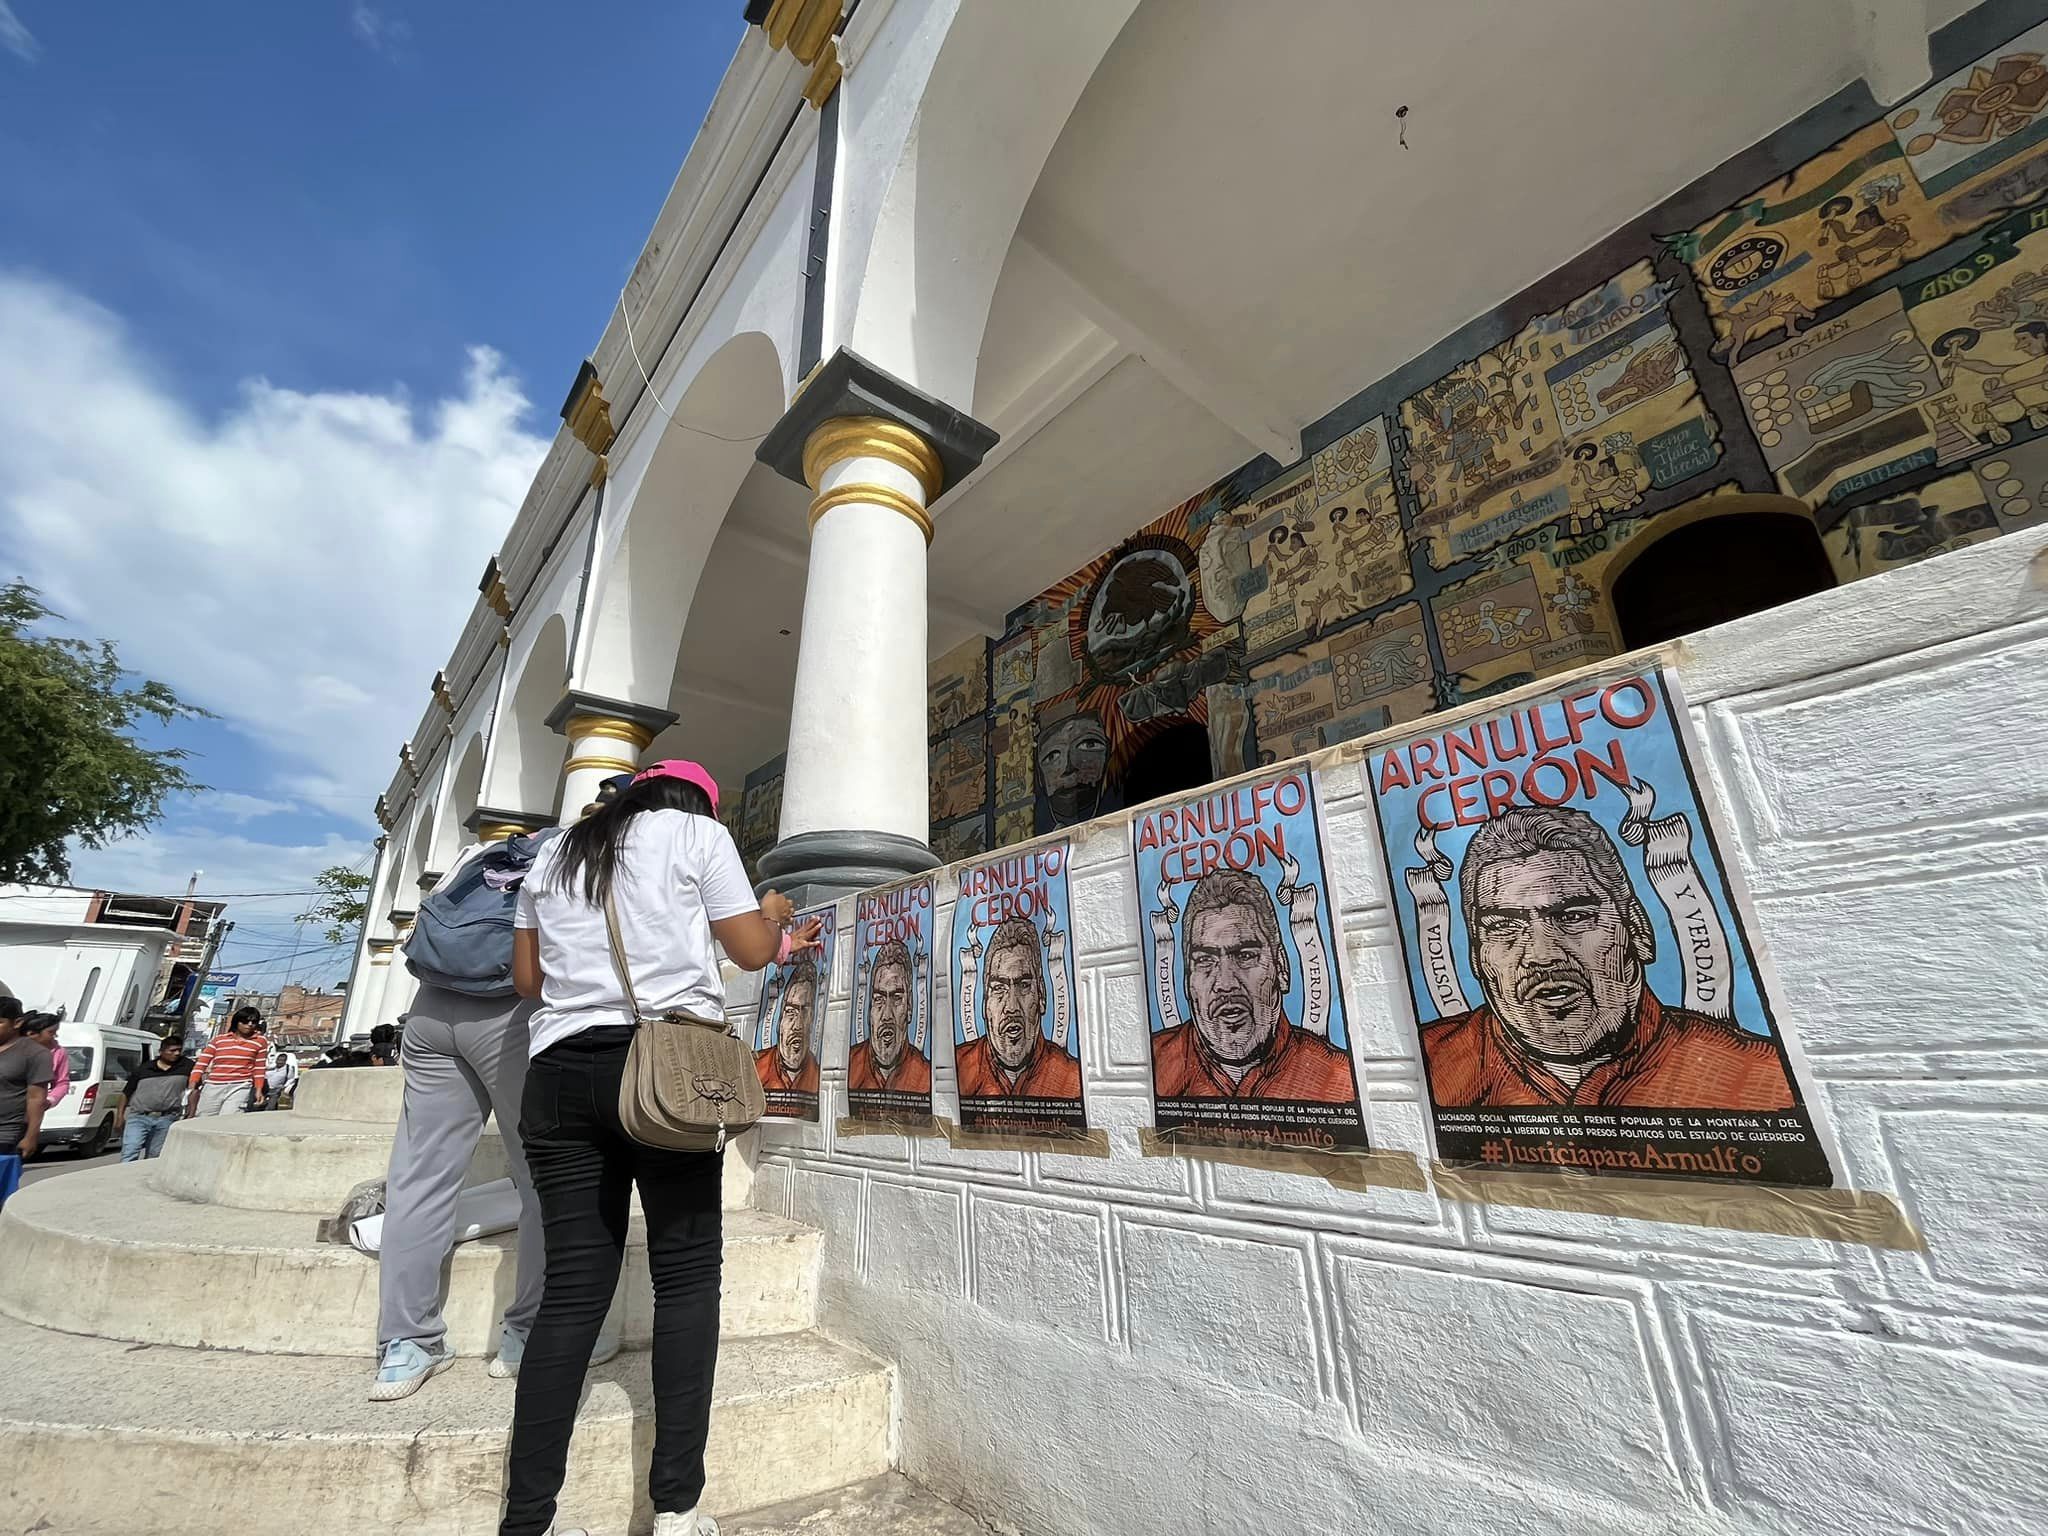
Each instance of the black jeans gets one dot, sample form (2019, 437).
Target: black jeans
(584, 1168)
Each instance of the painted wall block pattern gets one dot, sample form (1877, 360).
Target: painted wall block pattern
(1566, 1392)
(1222, 1307)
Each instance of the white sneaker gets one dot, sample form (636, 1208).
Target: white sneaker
(512, 1353)
(688, 1523)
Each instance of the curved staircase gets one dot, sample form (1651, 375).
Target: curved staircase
(181, 1355)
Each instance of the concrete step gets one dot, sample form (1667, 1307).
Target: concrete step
(287, 1162)
(350, 1093)
(104, 1439)
(890, 1505)
(104, 1252)
(373, 1096)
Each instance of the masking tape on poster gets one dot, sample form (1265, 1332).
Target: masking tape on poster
(1859, 1216)
(1077, 1143)
(914, 1126)
(1343, 1170)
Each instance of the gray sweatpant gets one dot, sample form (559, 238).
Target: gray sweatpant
(464, 1058)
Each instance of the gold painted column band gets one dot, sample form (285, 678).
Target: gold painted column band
(610, 765)
(872, 437)
(497, 831)
(632, 732)
(873, 496)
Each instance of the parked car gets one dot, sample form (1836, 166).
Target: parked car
(102, 1056)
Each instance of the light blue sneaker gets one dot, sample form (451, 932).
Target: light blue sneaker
(512, 1352)
(404, 1366)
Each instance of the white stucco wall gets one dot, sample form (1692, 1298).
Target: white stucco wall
(1163, 1345)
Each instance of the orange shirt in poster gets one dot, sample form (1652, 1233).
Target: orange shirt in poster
(1672, 1059)
(913, 1074)
(1050, 1073)
(768, 1067)
(1300, 1066)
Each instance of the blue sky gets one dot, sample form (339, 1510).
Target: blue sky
(289, 297)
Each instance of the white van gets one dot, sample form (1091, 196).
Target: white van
(102, 1057)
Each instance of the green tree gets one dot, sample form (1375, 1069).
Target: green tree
(68, 765)
(341, 905)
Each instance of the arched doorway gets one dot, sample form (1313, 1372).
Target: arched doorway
(1745, 554)
(1174, 760)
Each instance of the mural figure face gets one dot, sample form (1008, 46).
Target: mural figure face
(1073, 757)
(2032, 338)
(1014, 1002)
(1236, 974)
(795, 1043)
(889, 1013)
(1555, 953)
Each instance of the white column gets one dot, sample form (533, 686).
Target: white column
(599, 747)
(857, 754)
(364, 1011)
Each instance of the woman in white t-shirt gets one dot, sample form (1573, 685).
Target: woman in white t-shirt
(676, 882)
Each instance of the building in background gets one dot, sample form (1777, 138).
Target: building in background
(101, 956)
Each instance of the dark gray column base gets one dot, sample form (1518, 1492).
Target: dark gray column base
(816, 867)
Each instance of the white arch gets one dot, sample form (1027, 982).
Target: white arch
(642, 591)
(459, 803)
(526, 752)
(1002, 84)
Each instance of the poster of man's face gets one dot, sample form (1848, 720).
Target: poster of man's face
(1013, 995)
(792, 1020)
(1585, 988)
(1237, 973)
(889, 1001)
(888, 1067)
(1016, 1030)
(1250, 1040)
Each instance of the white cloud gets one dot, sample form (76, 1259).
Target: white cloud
(384, 34)
(16, 38)
(300, 566)
(238, 807)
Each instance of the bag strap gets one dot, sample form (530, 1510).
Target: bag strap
(611, 928)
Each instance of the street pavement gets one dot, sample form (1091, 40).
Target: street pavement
(49, 1164)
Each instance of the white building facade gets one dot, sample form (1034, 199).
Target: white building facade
(951, 297)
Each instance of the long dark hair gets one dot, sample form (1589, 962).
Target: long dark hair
(591, 847)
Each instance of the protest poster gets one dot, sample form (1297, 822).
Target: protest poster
(790, 1020)
(889, 1060)
(1016, 1035)
(1250, 1043)
(1584, 980)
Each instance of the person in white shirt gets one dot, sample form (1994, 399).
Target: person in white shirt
(283, 1076)
(658, 854)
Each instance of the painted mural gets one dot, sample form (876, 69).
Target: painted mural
(1866, 334)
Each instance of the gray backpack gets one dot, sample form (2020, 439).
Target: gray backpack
(462, 938)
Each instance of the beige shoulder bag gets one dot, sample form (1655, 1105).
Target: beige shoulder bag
(689, 1082)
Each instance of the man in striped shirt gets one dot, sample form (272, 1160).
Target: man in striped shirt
(228, 1077)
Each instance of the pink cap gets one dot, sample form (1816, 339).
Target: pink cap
(689, 772)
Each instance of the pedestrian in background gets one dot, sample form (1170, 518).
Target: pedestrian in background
(384, 1046)
(151, 1101)
(228, 1077)
(24, 1092)
(284, 1078)
(42, 1028)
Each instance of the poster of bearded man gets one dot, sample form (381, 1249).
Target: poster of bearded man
(1250, 1042)
(1586, 986)
(889, 1057)
(790, 1021)
(1016, 1037)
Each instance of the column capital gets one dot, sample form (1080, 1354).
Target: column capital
(493, 824)
(885, 417)
(581, 714)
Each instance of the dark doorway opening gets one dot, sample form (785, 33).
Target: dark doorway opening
(1174, 760)
(1718, 569)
